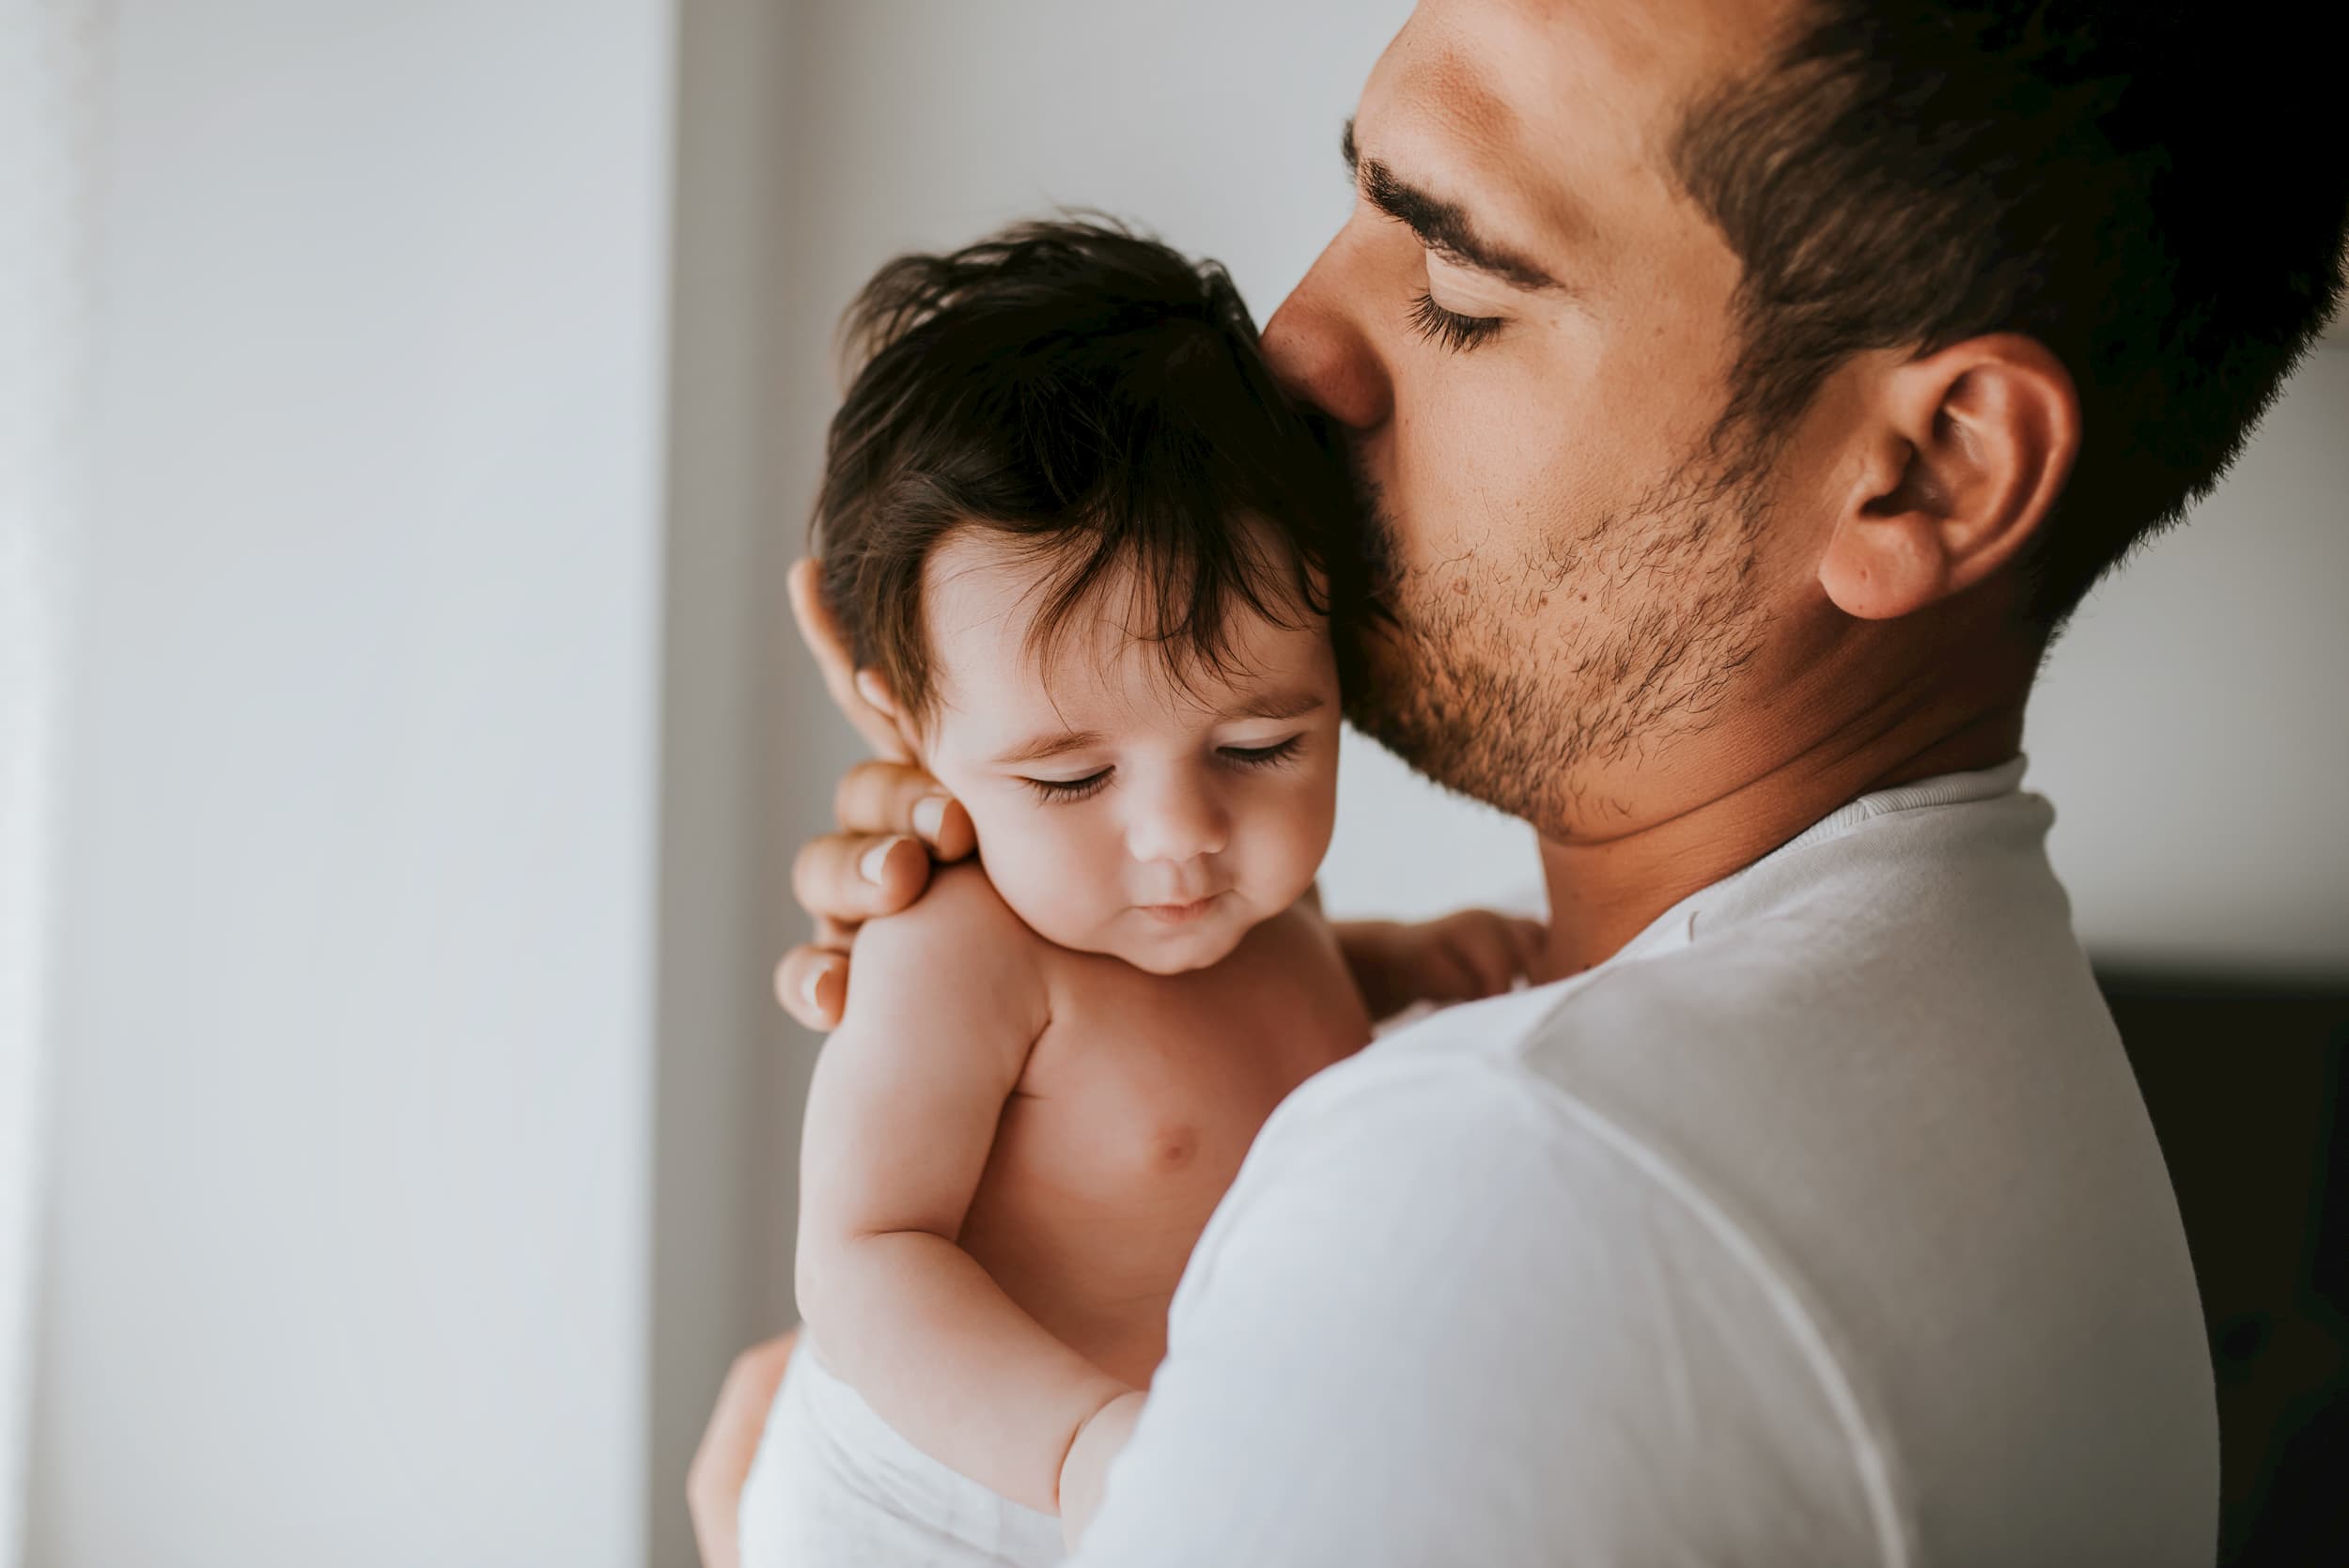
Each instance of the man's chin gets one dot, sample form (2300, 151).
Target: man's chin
(1411, 703)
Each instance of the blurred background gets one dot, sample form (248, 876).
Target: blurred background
(406, 414)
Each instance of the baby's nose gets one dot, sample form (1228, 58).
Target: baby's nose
(1177, 826)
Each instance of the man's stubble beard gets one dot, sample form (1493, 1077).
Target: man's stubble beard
(1452, 682)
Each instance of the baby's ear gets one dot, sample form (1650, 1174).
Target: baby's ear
(877, 722)
(872, 690)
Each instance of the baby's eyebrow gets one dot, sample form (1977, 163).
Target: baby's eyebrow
(1042, 748)
(1276, 704)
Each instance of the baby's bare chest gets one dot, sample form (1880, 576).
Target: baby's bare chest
(1143, 1097)
(1138, 1105)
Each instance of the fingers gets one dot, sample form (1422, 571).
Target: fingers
(1374, 952)
(1505, 947)
(849, 879)
(812, 982)
(1488, 952)
(813, 985)
(1529, 945)
(1486, 968)
(893, 818)
(899, 797)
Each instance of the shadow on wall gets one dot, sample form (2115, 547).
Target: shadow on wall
(2244, 1080)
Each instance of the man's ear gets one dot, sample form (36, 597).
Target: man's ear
(862, 694)
(1966, 451)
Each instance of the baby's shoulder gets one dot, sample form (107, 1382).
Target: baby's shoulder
(959, 926)
(952, 970)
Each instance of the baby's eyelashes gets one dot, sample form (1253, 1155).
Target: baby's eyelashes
(1066, 790)
(1264, 756)
(1084, 786)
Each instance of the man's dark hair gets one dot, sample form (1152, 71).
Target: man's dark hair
(2155, 191)
(1094, 397)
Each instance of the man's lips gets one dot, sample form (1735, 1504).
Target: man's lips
(1179, 914)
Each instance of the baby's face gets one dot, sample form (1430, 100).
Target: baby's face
(1121, 811)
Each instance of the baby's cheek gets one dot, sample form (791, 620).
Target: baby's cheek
(1297, 837)
(1043, 870)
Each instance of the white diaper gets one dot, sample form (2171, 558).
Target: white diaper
(834, 1486)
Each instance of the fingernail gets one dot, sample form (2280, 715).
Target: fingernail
(929, 815)
(811, 985)
(874, 858)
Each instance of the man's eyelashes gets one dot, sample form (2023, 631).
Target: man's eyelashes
(1449, 328)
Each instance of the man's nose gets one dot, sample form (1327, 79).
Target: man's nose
(1316, 346)
(1177, 824)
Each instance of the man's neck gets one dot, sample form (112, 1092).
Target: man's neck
(1602, 893)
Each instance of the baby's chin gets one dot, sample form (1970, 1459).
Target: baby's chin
(1178, 957)
(1133, 938)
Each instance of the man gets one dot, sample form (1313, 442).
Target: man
(1745, 392)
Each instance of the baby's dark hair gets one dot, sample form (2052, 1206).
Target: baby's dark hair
(1089, 394)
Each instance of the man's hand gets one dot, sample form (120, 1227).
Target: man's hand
(891, 820)
(713, 1482)
(1086, 1467)
(1462, 958)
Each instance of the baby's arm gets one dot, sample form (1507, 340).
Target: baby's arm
(1461, 958)
(900, 1120)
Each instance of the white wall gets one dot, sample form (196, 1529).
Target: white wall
(2192, 728)
(733, 801)
(47, 118)
(350, 1245)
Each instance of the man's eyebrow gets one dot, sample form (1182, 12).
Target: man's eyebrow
(1043, 748)
(1443, 226)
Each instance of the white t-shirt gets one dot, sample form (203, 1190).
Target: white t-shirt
(1822, 1225)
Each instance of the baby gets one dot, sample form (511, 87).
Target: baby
(1081, 550)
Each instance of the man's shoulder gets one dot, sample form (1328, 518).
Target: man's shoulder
(1675, 993)
(1561, 1291)
(1468, 1056)
(1466, 1090)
